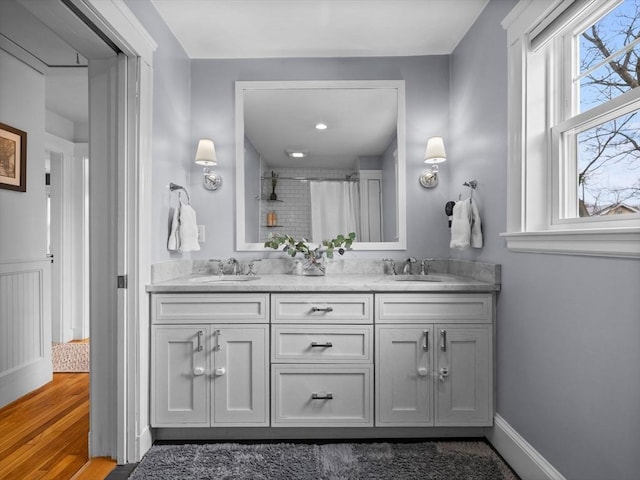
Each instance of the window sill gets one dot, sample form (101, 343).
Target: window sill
(619, 242)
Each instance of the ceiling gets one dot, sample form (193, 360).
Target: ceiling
(360, 122)
(250, 29)
(211, 29)
(64, 67)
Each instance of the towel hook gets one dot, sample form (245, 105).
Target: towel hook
(174, 186)
(472, 184)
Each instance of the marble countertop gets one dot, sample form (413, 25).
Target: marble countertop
(335, 282)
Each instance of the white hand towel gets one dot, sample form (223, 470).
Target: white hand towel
(461, 225)
(476, 226)
(174, 240)
(188, 230)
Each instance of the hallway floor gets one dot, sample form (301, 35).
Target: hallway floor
(44, 435)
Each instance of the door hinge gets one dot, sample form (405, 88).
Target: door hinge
(122, 281)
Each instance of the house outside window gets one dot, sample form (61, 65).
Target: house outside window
(574, 119)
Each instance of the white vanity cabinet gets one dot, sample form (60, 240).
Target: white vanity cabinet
(434, 359)
(308, 363)
(210, 362)
(322, 360)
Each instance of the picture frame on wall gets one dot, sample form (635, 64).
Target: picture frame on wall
(13, 158)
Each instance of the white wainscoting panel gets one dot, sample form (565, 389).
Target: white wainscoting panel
(25, 327)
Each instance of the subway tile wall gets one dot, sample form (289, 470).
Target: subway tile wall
(293, 207)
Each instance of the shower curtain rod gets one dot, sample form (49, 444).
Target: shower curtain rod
(348, 178)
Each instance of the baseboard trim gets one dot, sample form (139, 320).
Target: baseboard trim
(525, 460)
(144, 441)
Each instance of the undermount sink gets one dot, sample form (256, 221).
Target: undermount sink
(418, 278)
(223, 278)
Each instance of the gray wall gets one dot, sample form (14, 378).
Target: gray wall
(23, 235)
(173, 150)
(213, 115)
(568, 328)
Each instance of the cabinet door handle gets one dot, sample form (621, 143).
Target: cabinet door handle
(198, 371)
(217, 335)
(425, 347)
(200, 347)
(322, 396)
(322, 309)
(443, 345)
(322, 345)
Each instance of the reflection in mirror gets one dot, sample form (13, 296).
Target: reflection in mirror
(317, 159)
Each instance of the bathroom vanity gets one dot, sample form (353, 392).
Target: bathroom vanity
(289, 356)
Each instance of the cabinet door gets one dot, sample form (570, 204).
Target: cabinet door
(464, 375)
(240, 375)
(403, 375)
(179, 376)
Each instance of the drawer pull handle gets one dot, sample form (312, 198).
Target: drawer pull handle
(217, 334)
(322, 309)
(322, 345)
(199, 348)
(322, 396)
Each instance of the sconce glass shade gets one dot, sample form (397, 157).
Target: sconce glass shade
(434, 154)
(206, 153)
(435, 151)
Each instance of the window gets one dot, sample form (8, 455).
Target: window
(574, 119)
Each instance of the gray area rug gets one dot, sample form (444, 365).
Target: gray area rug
(362, 461)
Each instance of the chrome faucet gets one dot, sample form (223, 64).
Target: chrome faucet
(408, 264)
(251, 267)
(391, 266)
(424, 266)
(234, 265)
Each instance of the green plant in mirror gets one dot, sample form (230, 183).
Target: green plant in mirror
(293, 246)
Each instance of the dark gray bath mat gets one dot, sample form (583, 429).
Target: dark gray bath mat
(435, 460)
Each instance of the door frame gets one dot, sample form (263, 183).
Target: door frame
(126, 350)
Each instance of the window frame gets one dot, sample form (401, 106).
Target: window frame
(537, 115)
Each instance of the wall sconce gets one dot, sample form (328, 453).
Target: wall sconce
(206, 156)
(435, 154)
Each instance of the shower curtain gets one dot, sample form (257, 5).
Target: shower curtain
(335, 209)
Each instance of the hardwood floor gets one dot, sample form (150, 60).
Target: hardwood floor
(44, 435)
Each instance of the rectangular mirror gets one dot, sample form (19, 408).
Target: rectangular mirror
(294, 177)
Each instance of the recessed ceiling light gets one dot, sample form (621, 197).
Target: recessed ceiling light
(321, 126)
(297, 153)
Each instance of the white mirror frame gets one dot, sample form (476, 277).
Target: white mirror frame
(401, 201)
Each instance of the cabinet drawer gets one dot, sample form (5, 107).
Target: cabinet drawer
(198, 308)
(321, 343)
(425, 308)
(319, 395)
(321, 308)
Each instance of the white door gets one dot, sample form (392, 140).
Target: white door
(404, 375)
(464, 393)
(180, 376)
(240, 376)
